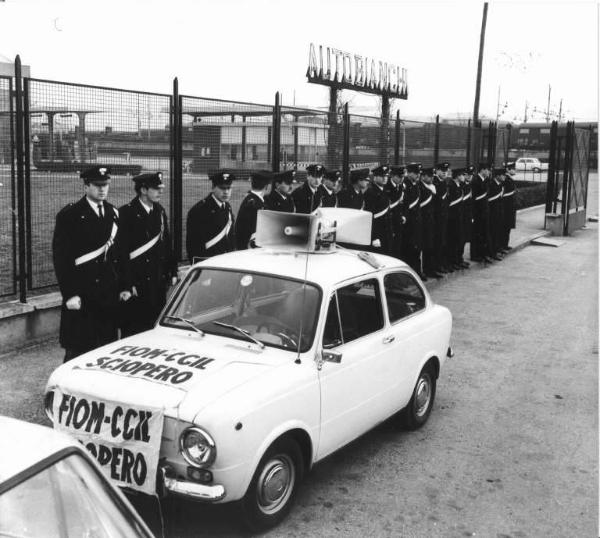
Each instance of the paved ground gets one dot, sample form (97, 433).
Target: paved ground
(511, 449)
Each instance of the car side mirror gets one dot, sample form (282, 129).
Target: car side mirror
(331, 356)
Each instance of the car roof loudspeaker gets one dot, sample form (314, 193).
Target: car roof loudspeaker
(285, 230)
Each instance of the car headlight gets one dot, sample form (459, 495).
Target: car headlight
(48, 404)
(197, 447)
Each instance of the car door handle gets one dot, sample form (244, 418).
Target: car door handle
(389, 339)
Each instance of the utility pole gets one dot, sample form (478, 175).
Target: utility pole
(498, 105)
(560, 111)
(479, 66)
(548, 107)
(525, 115)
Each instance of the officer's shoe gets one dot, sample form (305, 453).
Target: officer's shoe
(496, 257)
(487, 259)
(465, 265)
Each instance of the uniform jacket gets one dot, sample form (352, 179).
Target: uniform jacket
(509, 211)
(496, 218)
(440, 205)
(349, 198)
(151, 271)
(427, 216)
(304, 199)
(479, 203)
(98, 282)
(245, 224)
(467, 210)
(210, 229)
(275, 201)
(327, 199)
(412, 211)
(395, 194)
(378, 203)
(455, 213)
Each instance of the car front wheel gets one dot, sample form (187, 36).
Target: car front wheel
(273, 486)
(416, 413)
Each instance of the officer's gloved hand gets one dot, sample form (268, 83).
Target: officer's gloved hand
(376, 243)
(125, 296)
(134, 292)
(403, 220)
(74, 303)
(174, 280)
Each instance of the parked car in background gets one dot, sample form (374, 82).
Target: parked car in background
(51, 487)
(264, 362)
(531, 164)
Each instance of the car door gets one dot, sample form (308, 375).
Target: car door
(353, 391)
(411, 327)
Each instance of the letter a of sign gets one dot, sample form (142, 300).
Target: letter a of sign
(312, 62)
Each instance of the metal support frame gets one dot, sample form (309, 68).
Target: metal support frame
(21, 232)
(276, 138)
(436, 141)
(346, 156)
(176, 164)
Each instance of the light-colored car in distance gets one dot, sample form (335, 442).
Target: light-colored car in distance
(51, 487)
(530, 164)
(264, 362)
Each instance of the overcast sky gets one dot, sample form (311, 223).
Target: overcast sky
(247, 50)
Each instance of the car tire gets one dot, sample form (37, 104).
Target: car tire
(416, 413)
(273, 487)
(536, 169)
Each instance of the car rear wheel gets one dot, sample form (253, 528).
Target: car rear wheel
(273, 486)
(536, 169)
(416, 413)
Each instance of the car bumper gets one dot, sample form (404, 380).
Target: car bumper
(188, 489)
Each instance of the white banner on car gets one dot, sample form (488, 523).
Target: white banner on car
(124, 439)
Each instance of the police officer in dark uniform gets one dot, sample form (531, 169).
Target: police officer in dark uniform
(496, 218)
(412, 236)
(428, 224)
(307, 198)
(467, 209)
(89, 267)
(395, 192)
(146, 246)
(329, 188)
(378, 203)
(455, 239)
(353, 196)
(279, 198)
(480, 231)
(509, 212)
(440, 208)
(210, 223)
(245, 224)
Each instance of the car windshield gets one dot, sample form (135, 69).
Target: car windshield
(272, 310)
(69, 498)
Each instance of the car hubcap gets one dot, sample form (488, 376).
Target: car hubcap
(275, 484)
(423, 395)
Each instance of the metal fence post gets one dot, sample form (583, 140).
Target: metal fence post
(552, 167)
(397, 141)
(568, 176)
(468, 161)
(19, 120)
(436, 141)
(176, 171)
(346, 150)
(275, 145)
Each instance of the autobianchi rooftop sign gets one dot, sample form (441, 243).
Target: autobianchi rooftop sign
(340, 69)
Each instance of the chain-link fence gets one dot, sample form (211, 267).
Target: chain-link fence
(8, 208)
(71, 127)
(65, 127)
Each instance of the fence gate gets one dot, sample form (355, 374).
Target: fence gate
(568, 173)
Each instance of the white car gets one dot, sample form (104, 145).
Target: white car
(530, 164)
(50, 486)
(263, 363)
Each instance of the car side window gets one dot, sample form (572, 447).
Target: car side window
(403, 295)
(360, 309)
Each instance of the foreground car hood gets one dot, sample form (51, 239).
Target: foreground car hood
(165, 368)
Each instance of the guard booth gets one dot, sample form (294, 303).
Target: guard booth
(568, 174)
